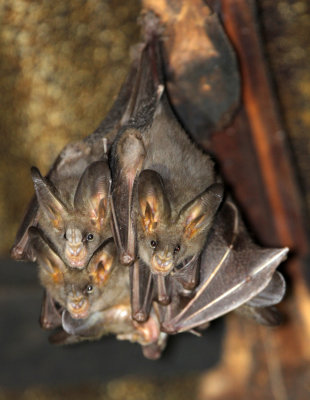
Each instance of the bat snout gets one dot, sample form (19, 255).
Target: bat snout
(162, 263)
(78, 308)
(76, 255)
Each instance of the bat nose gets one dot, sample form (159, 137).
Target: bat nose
(75, 250)
(74, 236)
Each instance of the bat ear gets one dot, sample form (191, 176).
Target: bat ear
(92, 193)
(153, 203)
(48, 200)
(199, 213)
(48, 260)
(100, 266)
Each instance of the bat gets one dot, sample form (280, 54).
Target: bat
(165, 192)
(50, 316)
(68, 168)
(74, 212)
(93, 302)
(234, 272)
(101, 285)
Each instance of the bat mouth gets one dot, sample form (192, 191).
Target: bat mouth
(161, 265)
(79, 309)
(76, 259)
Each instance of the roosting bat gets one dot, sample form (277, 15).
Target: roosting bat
(65, 175)
(101, 285)
(191, 258)
(233, 272)
(165, 190)
(74, 212)
(91, 302)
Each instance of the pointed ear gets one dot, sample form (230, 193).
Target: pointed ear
(48, 200)
(153, 202)
(101, 264)
(199, 213)
(92, 193)
(48, 260)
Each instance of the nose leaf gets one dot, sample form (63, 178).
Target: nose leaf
(74, 236)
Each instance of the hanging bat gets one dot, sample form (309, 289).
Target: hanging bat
(75, 216)
(234, 271)
(93, 302)
(68, 169)
(165, 191)
(101, 285)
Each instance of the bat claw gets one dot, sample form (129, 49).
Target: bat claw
(126, 259)
(169, 328)
(140, 316)
(164, 300)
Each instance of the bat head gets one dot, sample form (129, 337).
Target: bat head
(76, 230)
(81, 292)
(167, 238)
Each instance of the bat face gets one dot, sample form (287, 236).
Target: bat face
(165, 238)
(76, 227)
(81, 292)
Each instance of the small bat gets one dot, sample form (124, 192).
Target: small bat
(101, 285)
(233, 272)
(67, 170)
(90, 303)
(74, 212)
(165, 190)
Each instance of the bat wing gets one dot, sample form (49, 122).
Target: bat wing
(70, 156)
(233, 271)
(141, 284)
(21, 249)
(50, 317)
(128, 151)
(272, 294)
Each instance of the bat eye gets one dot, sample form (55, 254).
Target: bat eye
(177, 248)
(65, 236)
(90, 237)
(153, 244)
(89, 288)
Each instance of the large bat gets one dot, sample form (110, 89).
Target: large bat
(165, 191)
(73, 213)
(92, 302)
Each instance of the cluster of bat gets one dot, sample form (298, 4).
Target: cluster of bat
(132, 232)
